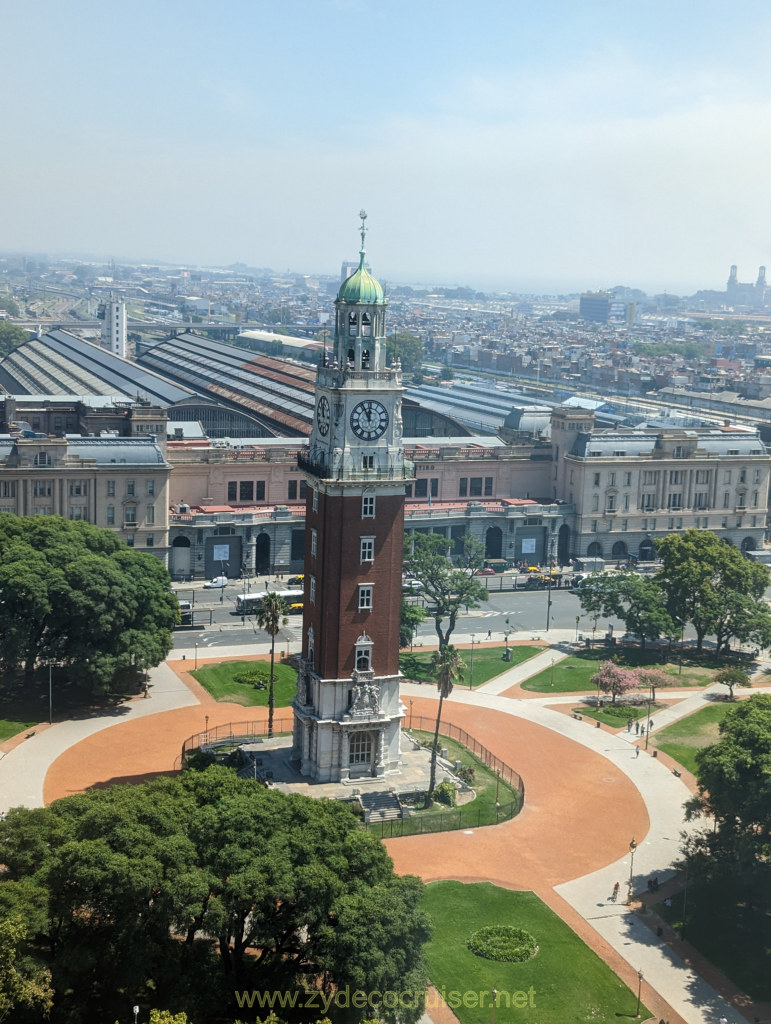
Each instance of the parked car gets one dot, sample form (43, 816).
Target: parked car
(414, 585)
(296, 608)
(295, 581)
(485, 572)
(217, 583)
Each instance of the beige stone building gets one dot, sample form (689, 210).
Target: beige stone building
(118, 483)
(630, 487)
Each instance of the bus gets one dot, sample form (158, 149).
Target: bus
(250, 604)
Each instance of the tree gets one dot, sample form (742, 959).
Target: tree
(408, 348)
(184, 890)
(11, 337)
(447, 665)
(25, 985)
(612, 678)
(448, 588)
(638, 601)
(735, 788)
(9, 304)
(76, 595)
(731, 677)
(271, 616)
(714, 587)
(411, 617)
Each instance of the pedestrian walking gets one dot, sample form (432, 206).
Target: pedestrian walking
(636, 751)
(489, 634)
(615, 891)
(629, 725)
(637, 728)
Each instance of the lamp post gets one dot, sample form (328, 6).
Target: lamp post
(648, 726)
(196, 654)
(548, 604)
(639, 991)
(411, 703)
(578, 619)
(136, 1014)
(495, 999)
(50, 697)
(632, 848)
(207, 728)
(685, 902)
(471, 670)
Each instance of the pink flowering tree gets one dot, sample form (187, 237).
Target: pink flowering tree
(651, 678)
(612, 678)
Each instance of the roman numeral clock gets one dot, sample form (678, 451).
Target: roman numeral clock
(347, 711)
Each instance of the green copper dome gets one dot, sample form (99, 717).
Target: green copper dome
(361, 286)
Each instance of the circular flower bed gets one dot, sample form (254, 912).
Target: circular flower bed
(503, 942)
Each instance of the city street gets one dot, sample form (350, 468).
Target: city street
(217, 623)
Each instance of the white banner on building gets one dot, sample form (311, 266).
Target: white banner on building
(528, 545)
(222, 552)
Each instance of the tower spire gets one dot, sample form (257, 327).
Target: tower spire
(363, 230)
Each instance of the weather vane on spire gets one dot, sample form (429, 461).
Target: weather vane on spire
(363, 215)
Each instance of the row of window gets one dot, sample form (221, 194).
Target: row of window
(650, 502)
(650, 477)
(254, 490)
(675, 523)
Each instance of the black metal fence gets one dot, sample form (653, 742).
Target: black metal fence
(235, 733)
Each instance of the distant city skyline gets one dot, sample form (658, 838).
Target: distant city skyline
(502, 145)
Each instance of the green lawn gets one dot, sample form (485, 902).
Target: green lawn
(731, 935)
(682, 740)
(219, 681)
(573, 674)
(614, 717)
(488, 663)
(13, 725)
(564, 983)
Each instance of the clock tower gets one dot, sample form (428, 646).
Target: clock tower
(347, 712)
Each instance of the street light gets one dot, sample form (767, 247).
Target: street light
(548, 604)
(50, 697)
(136, 1014)
(639, 991)
(411, 703)
(648, 726)
(207, 727)
(196, 654)
(632, 848)
(578, 619)
(495, 1000)
(471, 672)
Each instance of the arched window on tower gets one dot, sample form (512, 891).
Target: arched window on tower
(366, 325)
(352, 324)
(311, 646)
(365, 359)
(364, 653)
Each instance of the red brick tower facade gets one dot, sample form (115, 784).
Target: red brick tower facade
(347, 709)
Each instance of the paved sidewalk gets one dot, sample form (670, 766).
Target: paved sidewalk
(23, 770)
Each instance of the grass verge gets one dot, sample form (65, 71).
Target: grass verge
(615, 717)
(488, 663)
(565, 981)
(219, 681)
(574, 674)
(682, 740)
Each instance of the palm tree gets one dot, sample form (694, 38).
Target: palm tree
(447, 665)
(271, 616)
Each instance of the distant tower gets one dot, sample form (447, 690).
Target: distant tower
(732, 285)
(761, 281)
(347, 712)
(113, 315)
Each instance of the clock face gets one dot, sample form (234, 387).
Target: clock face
(322, 416)
(369, 420)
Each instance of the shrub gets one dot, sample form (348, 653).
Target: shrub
(503, 942)
(260, 674)
(466, 774)
(445, 794)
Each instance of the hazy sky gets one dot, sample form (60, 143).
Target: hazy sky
(546, 145)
